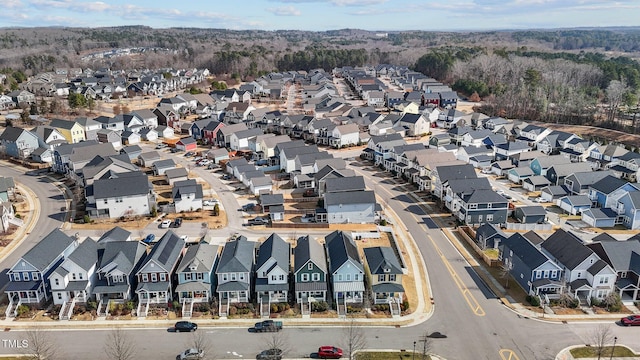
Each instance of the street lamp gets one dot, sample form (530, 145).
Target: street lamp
(615, 338)
(414, 350)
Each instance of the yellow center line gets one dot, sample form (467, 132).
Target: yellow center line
(468, 296)
(507, 354)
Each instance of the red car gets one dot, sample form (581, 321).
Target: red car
(632, 320)
(329, 352)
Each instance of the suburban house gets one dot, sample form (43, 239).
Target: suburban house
(175, 175)
(345, 269)
(531, 268)
(187, 195)
(118, 262)
(72, 281)
(345, 135)
(534, 214)
(624, 258)
(71, 130)
(7, 188)
(234, 272)
(273, 265)
(310, 272)
(385, 277)
(147, 159)
(483, 206)
(161, 166)
(489, 236)
(586, 275)
(29, 276)
(355, 207)
(128, 194)
(156, 271)
(18, 143)
(187, 144)
(195, 276)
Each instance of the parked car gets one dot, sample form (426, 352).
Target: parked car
(165, 224)
(309, 193)
(149, 239)
(267, 326)
(271, 354)
(185, 238)
(175, 150)
(631, 320)
(329, 352)
(191, 354)
(197, 158)
(177, 222)
(211, 202)
(185, 326)
(309, 218)
(257, 221)
(248, 207)
(189, 154)
(226, 177)
(161, 146)
(213, 166)
(539, 199)
(204, 162)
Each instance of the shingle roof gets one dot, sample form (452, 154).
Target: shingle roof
(340, 249)
(596, 267)
(124, 255)
(484, 197)
(237, 256)
(450, 172)
(608, 184)
(278, 249)
(166, 251)
(115, 234)
(308, 249)
(271, 199)
(341, 184)
(525, 251)
(350, 197)
(567, 248)
(201, 256)
(86, 254)
(621, 255)
(46, 250)
(133, 183)
(382, 260)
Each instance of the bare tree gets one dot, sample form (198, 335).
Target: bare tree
(199, 340)
(505, 273)
(353, 339)
(425, 345)
(118, 346)
(600, 338)
(615, 94)
(41, 345)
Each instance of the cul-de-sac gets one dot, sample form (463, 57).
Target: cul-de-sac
(190, 192)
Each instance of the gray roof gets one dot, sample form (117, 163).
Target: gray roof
(450, 172)
(12, 134)
(6, 183)
(237, 256)
(86, 254)
(387, 287)
(85, 153)
(532, 210)
(567, 248)
(115, 234)
(382, 260)
(577, 200)
(549, 161)
(274, 247)
(350, 197)
(537, 180)
(467, 186)
(608, 184)
(525, 251)
(200, 256)
(124, 255)
(176, 173)
(134, 183)
(166, 251)
(488, 231)
(340, 249)
(271, 199)
(260, 181)
(149, 155)
(484, 197)
(568, 169)
(341, 184)
(621, 255)
(533, 237)
(308, 249)
(522, 171)
(558, 190)
(189, 186)
(48, 249)
(596, 267)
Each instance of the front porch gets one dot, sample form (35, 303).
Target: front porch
(385, 293)
(26, 292)
(547, 287)
(627, 290)
(581, 290)
(315, 290)
(194, 291)
(348, 292)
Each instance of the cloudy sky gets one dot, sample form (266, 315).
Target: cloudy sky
(324, 14)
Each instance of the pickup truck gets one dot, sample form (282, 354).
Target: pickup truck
(268, 326)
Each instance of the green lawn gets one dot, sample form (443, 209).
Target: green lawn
(390, 355)
(588, 352)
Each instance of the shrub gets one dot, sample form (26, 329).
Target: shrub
(129, 305)
(203, 307)
(233, 310)
(612, 302)
(404, 306)
(23, 311)
(533, 300)
(283, 307)
(383, 222)
(92, 305)
(87, 219)
(381, 307)
(176, 305)
(319, 306)
(274, 308)
(154, 211)
(596, 302)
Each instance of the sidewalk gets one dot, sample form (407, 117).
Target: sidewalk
(565, 354)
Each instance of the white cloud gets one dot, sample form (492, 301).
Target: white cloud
(12, 4)
(284, 11)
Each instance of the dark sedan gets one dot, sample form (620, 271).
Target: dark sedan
(187, 326)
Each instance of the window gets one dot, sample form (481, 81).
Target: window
(579, 274)
(106, 201)
(118, 200)
(310, 266)
(281, 278)
(392, 277)
(274, 278)
(339, 277)
(348, 277)
(316, 277)
(623, 275)
(35, 276)
(604, 280)
(225, 277)
(490, 217)
(80, 276)
(25, 276)
(381, 277)
(199, 276)
(489, 206)
(188, 277)
(145, 277)
(59, 296)
(479, 218)
(233, 277)
(57, 281)
(356, 277)
(472, 206)
(154, 277)
(242, 277)
(305, 277)
(73, 276)
(163, 277)
(554, 273)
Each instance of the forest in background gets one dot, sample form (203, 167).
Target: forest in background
(576, 76)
